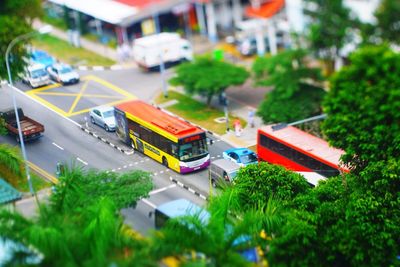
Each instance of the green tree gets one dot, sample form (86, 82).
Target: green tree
(15, 19)
(28, 9)
(216, 237)
(10, 164)
(208, 77)
(81, 226)
(255, 184)
(388, 20)
(295, 95)
(362, 107)
(329, 28)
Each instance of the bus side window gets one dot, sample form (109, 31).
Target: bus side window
(174, 150)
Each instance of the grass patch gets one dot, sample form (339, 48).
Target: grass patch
(21, 184)
(38, 184)
(65, 52)
(197, 112)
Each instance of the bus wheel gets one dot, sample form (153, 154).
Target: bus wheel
(213, 183)
(165, 162)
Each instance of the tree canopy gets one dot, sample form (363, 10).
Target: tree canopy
(81, 225)
(295, 95)
(208, 77)
(388, 20)
(362, 107)
(15, 19)
(329, 28)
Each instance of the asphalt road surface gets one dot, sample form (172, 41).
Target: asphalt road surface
(62, 110)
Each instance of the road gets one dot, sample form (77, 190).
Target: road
(63, 108)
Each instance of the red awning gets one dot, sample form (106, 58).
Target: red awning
(266, 10)
(138, 3)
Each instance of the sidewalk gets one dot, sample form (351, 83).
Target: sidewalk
(242, 99)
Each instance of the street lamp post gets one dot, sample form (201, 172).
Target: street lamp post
(161, 53)
(43, 30)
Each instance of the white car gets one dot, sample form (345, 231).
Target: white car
(63, 73)
(104, 117)
(36, 75)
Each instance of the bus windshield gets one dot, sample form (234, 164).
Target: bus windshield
(193, 149)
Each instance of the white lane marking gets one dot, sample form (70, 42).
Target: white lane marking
(162, 189)
(84, 162)
(58, 146)
(149, 203)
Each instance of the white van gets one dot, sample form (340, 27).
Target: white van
(36, 75)
(170, 47)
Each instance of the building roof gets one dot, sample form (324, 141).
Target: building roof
(8, 193)
(306, 143)
(157, 119)
(106, 10)
(266, 9)
(120, 12)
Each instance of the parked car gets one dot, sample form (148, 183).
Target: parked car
(104, 117)
(36, 75)
(222, 171)
(241, 156)
(63, 73)
(41, 57)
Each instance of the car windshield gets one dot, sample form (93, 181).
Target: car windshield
(193, 149)
(65, 70)
(108, 113)
(38, 73)
(249, 158)
(233, 174)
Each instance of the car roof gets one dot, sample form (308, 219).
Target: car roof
(61, 65)
(226, 164)
(40, 53)
(35, 66)
(240, 151)
(104, 108)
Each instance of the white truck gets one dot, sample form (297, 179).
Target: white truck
(169, 47)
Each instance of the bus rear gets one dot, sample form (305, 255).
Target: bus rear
(298, 151)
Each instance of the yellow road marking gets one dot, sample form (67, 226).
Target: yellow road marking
(109, 104)
(75, 94)
(47, 87)
(48, 104)
(42, 172)
(35, 93)
(78, 97)
(109, 85)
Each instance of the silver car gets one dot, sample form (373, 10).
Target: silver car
(104, 117)
(222, 171)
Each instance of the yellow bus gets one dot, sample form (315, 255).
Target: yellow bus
(175, 143)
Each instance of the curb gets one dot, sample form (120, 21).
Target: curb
(100, 68)
(187, 188)
(126, 152)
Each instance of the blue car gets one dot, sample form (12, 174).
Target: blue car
(241, 156)
(41, 57)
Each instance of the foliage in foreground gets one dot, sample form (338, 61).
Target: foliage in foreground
(363, 107)
(81, 224)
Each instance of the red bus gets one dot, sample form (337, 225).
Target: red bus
(175, 143)
(298, 151)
